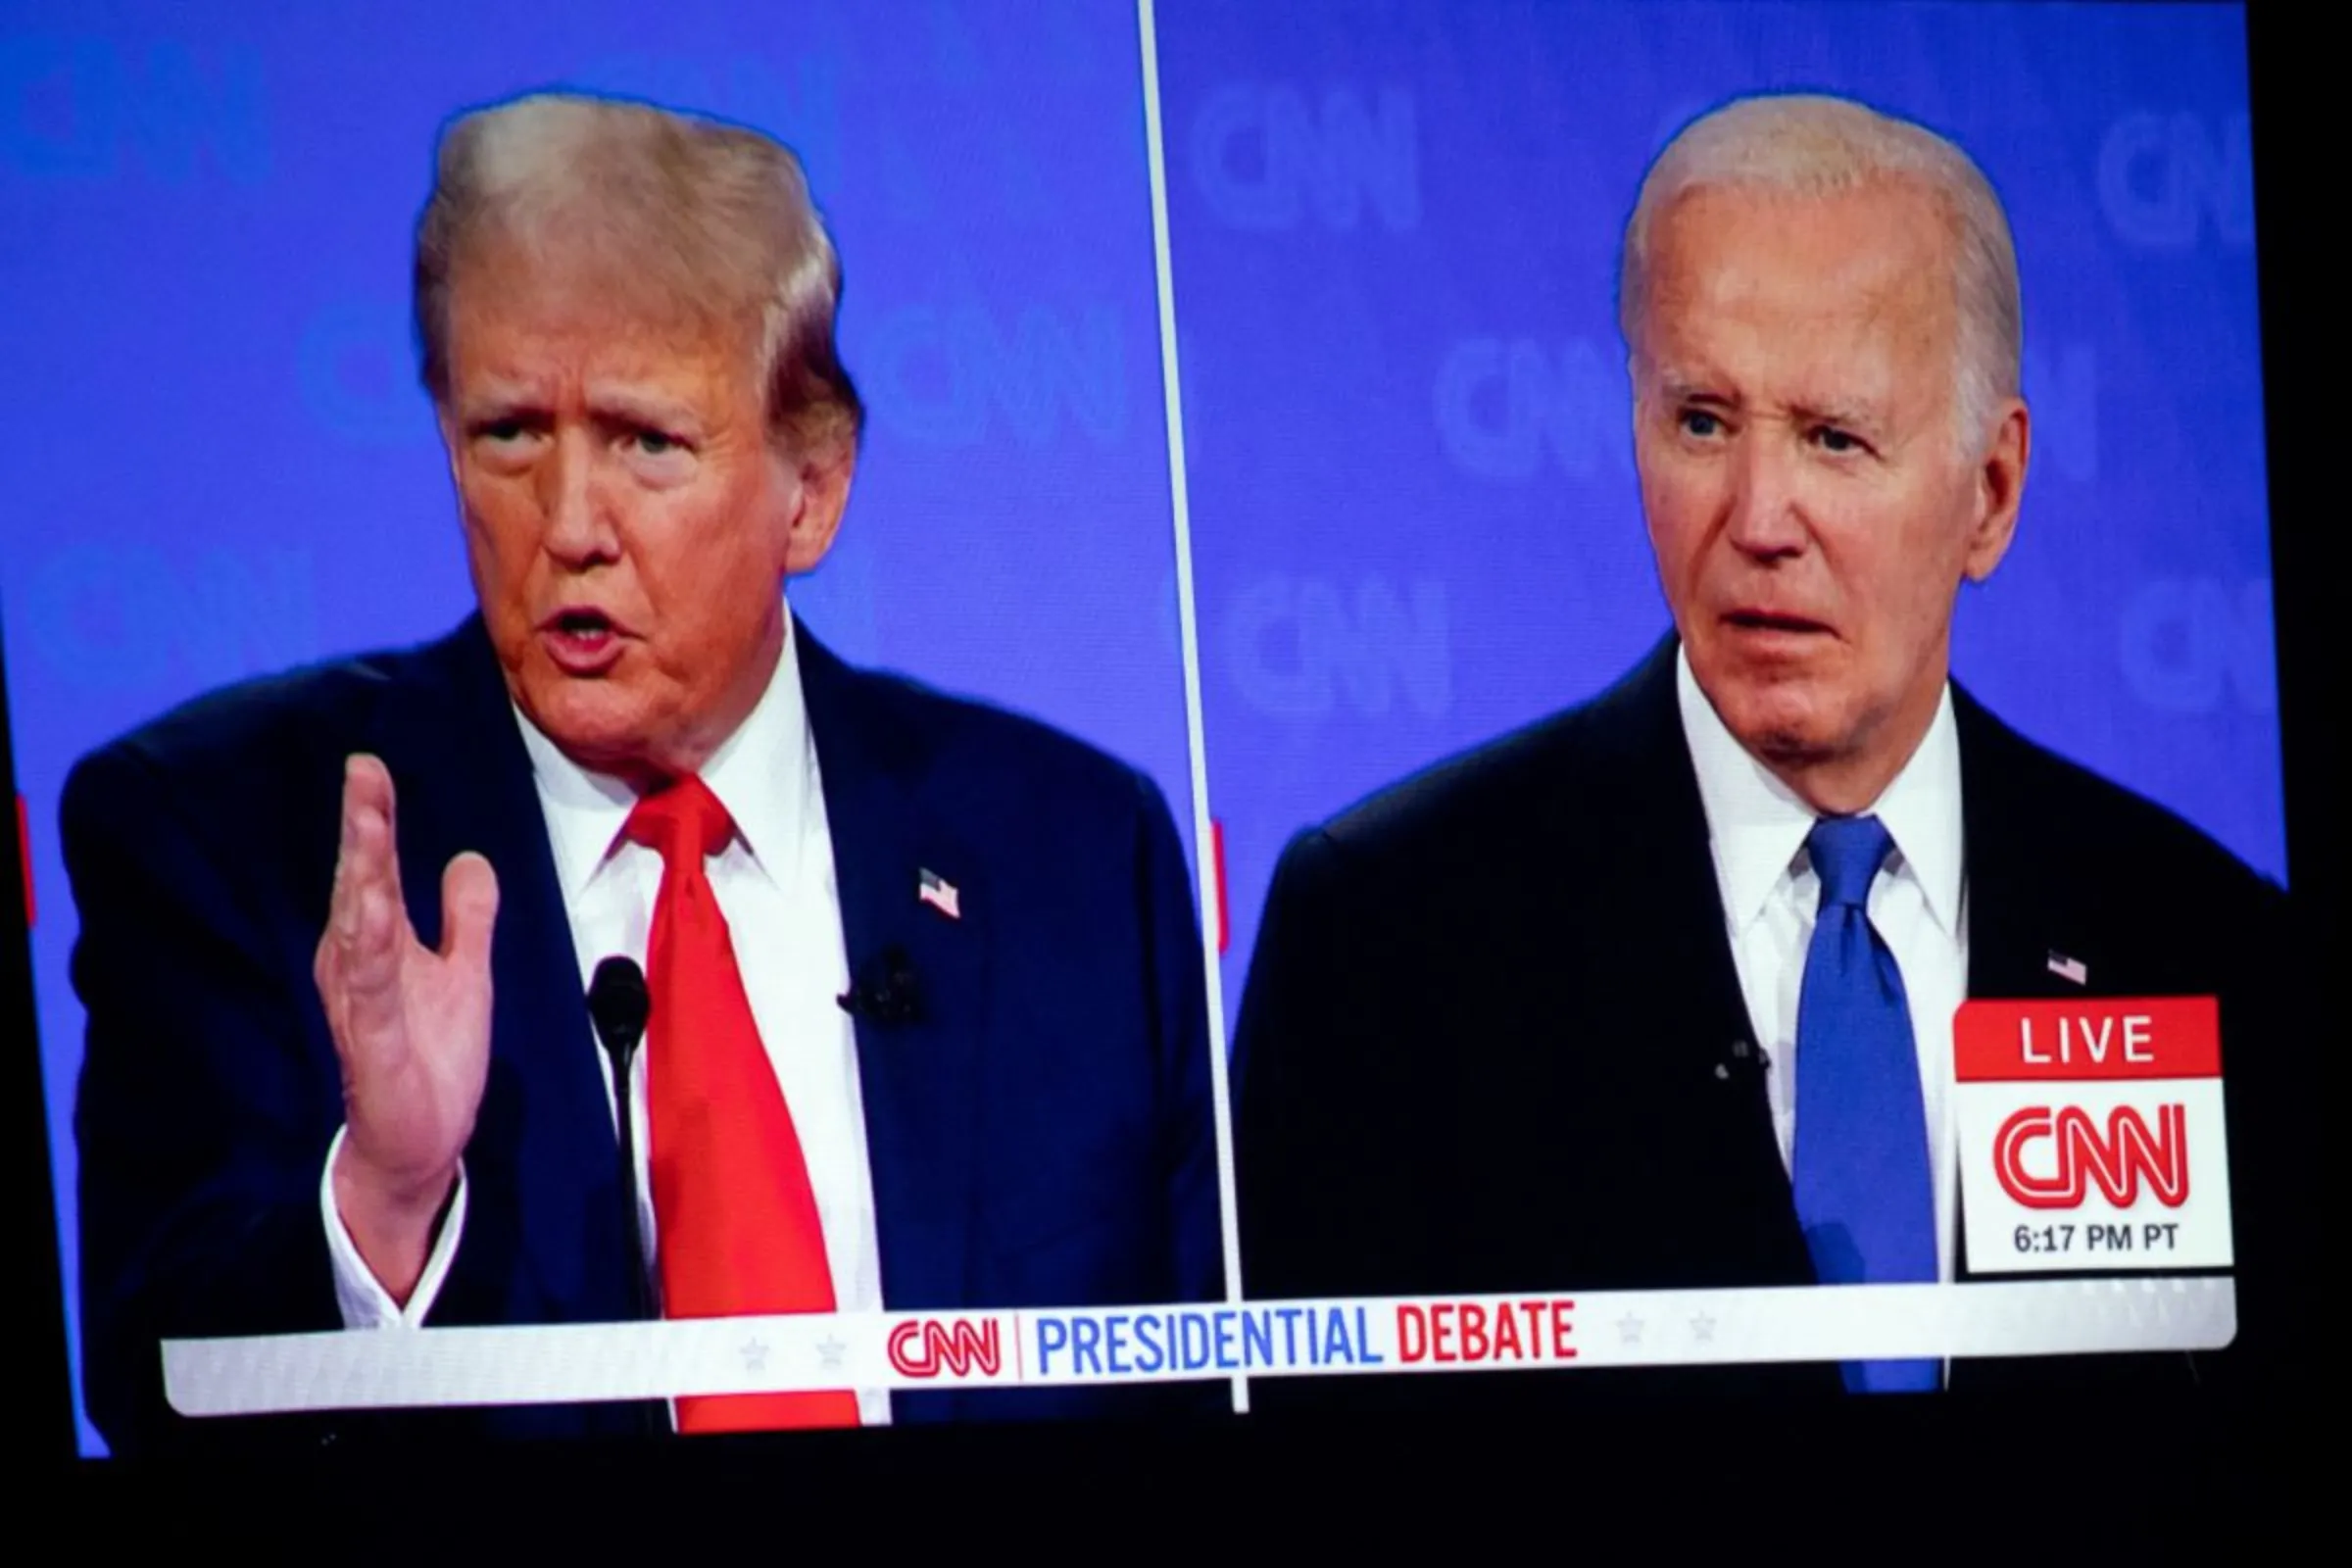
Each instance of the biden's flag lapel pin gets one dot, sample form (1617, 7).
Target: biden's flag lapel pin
(2063, 967)
(939, 893)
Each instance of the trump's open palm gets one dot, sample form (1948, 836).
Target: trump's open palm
(412, 1026)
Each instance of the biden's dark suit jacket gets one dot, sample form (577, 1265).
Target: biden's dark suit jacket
(1041, 1135)
(1493, 1040)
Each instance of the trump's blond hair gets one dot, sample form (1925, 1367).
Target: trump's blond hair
(690, 215)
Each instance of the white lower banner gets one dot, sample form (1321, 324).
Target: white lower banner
(391, 1368)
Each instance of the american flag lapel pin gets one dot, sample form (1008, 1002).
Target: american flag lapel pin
(939, 893)
(2066, 968)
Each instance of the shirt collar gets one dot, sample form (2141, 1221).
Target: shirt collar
(764, 774)
(1758, 823)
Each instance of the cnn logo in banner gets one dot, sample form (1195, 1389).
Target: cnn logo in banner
(929, 1348)
(2091, 1135)
(2118, 1158)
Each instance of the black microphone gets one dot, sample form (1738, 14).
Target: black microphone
(1746, 1061)
(885, 990)
(617, 1005)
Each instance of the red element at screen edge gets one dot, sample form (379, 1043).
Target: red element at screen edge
(1216, 847)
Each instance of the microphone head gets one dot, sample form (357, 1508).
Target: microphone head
(619, 1002)
(899, 999)
(886, 990)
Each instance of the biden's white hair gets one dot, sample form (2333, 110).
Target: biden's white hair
(684, 214)
(1812, 146)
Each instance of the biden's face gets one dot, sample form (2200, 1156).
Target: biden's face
(629, 519)
(1811, 498)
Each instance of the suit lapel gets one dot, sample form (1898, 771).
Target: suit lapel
(2020, 918)
(2019, 923)
(1662, 859)
(1700, 1058)
(544, 1145)
(920, 1080)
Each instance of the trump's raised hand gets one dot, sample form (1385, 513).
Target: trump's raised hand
(412, 1025)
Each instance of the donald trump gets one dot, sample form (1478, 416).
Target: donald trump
(924, 983)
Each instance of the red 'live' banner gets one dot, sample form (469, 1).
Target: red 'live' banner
(2091, 1038)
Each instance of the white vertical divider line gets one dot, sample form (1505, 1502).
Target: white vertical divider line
(1188, 621)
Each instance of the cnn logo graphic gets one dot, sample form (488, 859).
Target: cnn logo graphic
(2081, 1154)
(925, 1347)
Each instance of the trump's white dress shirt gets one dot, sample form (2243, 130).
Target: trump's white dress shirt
(1756, 827)
(775, 884)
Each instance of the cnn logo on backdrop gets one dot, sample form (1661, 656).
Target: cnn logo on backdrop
(925, 1347)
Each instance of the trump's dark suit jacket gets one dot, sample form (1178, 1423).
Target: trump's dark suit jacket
(1481, 1043)
(1041, 1136)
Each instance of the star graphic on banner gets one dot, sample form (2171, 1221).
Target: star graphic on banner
(754, 1356)
(1702, 1328)
(829, 1351)
(1629, 1329)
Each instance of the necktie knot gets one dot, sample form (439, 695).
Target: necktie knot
(1846, 853)
(682, 817)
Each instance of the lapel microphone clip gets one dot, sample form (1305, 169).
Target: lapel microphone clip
(885, 990)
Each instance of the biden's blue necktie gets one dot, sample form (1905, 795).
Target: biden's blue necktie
(1863, 1193)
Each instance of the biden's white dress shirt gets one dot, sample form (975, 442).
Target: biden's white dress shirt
(775, 884)
(1756, 827)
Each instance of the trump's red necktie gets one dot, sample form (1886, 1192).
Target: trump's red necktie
(736, 1221)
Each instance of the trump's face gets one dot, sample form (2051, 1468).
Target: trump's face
(628, 518)
(1812, 500)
